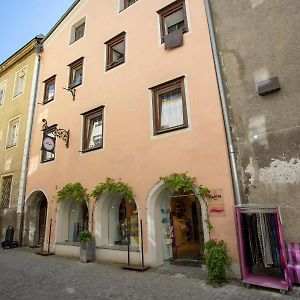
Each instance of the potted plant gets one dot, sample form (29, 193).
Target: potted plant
(87, 247)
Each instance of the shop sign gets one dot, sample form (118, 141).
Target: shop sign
(215, 203)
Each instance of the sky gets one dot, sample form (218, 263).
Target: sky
(22, 20)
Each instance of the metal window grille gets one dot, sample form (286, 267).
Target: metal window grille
(6, 191)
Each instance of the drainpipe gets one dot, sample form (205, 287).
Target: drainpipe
(231, 151)
(24, 170)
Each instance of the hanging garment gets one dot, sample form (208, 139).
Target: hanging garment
(267, 255)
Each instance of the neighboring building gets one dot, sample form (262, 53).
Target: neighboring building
(133, 110)
(17, 91)
(258, 40)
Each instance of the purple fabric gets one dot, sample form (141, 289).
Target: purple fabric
(294, 253)
(294, 272)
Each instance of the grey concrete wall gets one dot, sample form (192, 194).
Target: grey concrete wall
(259, 39)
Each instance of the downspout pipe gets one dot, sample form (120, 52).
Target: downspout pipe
(27, 145)
(231, 151)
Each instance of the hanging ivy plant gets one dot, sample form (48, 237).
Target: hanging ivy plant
(185, 183)
(112, 186)
(182, 182)
(73, 191)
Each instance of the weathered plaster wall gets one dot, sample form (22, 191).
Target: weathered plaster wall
(259, 39)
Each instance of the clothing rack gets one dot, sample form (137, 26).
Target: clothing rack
(262, 250)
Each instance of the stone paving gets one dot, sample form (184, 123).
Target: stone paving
(25, 275)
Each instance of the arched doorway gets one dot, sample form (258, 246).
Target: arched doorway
(72, 219)
(182, 229)
(176, 227)
(35, 220)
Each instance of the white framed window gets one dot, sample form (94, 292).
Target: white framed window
(77, 31)
(2, 93)
(13, 132)
(20, 82)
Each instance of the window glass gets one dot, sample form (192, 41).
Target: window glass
(76, 73)
(49, 89)
(78, 220)
(13, 133)
(171, 109)
(115, 51)
(79, 32)
(20, 82)
(123, 223)
(174, 21)
(2, 93)
(95, 133)
(93, 130)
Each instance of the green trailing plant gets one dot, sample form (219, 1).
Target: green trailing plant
(73, 191)
(217, 261)
(85, 236)
(112, 186)
(185, 183)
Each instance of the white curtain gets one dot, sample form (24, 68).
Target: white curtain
(171, 110)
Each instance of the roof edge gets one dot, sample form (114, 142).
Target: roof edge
(61, 19)
(37, 40)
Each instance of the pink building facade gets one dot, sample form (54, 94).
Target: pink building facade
(134, 85)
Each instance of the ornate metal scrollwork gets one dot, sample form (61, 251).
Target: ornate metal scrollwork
(58, 132)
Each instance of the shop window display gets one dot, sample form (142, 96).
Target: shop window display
(123, 224)
(78, 220)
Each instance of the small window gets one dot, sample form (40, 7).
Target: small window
(6, 191)
(169, 106)
(115, 51)
(13, 132)
(93, 130)
(49, 89)
(76, 73)
(2, 95)
(47, 154)
(20, 82)
(126, 3)
(77, 31)
(172, 18)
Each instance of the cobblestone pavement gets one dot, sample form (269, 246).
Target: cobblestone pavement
(25, 275)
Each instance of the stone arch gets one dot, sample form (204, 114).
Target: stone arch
(36, 216)
(159, 193)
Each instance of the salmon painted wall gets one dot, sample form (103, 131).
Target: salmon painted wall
(131, 151)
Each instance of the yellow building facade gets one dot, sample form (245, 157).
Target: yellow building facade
(17, 92)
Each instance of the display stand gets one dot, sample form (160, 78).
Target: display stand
(266, 280)
(130, 266)
(46, 253)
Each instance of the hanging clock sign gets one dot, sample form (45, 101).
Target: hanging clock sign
(48, 143)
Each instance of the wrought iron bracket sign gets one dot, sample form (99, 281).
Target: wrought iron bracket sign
(72, 91)
(60, 133)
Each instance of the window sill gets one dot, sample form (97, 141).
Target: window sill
(119, 247)
(74, 244)
(92, 149)
(158, 132)
(48, 160)
(16, 96)
(128, 6)
(72, 86)
(114, 64)
(11, 146)
(73, 42)
(47, 101)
